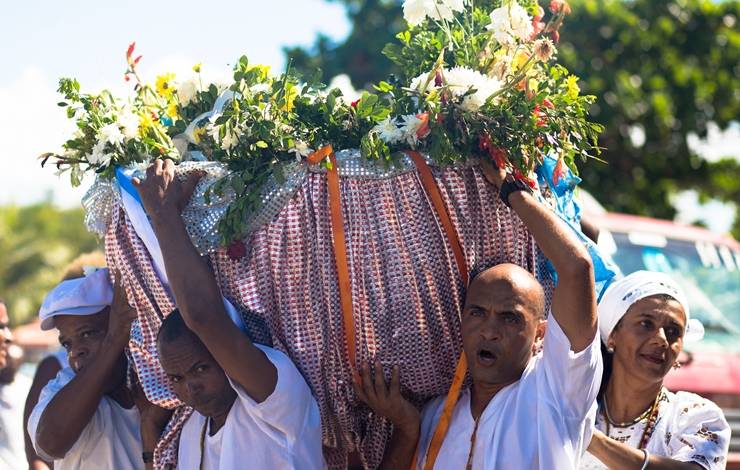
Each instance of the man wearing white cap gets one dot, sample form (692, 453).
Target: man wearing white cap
(87, 418)
(644, 320)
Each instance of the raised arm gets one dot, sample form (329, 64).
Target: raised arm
(196, 292)
(75, 404)
(574, 297)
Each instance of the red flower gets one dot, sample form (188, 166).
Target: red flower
(555, 36)
(237, 250)
(559, 171)
(541, 116)
(137, 60)
(126, 77)
(438, 81)
(355, 103)
(130, 51)
(520, 176)
(496, 153)
(424, 129)
(548, 104)
(556, 6)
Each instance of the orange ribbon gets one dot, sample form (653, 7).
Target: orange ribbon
(340, 252)
(443, 425)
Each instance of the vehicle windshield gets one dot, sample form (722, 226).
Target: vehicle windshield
(709, 275)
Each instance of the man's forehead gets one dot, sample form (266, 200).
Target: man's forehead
(180, 354)
(72, 323)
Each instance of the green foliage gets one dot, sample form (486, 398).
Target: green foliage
(36, 243)
(667, 66)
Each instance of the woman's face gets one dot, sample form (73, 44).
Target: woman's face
(649, 338)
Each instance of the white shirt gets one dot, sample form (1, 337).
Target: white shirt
(542, 421)
(112, 438)
(689, 428)
(282, 432)
(12, 400)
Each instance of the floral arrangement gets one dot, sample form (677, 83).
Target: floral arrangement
(477, 78)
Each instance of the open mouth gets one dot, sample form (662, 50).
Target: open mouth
(486, 357)
(657, 359)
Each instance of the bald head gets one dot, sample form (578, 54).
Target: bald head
(511, 280)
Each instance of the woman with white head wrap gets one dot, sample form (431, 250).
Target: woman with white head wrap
(644, 320)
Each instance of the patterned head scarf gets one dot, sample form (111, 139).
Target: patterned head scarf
(620, 296)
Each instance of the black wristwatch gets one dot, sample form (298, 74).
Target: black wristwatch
(147, 457)
(511, 185)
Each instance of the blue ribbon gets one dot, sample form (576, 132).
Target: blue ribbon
(568, 210)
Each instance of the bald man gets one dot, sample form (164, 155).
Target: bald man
(535, 379)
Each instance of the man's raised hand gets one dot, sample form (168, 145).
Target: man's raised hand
(161, 192)
(386, 399)
(121, 313)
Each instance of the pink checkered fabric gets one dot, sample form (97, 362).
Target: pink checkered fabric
(406, 290)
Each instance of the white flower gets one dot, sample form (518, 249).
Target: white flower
(388, 131)
(410, 129)
(111, 133)
(231, 138)
(187, 91)
(416, 11)
(129, 122)
(301, 150)
(80, 114)
(459, 81)
(509, 23)
(98, 155)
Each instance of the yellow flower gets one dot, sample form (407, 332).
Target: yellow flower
(164, 85)
(520, 59)
(172, 110)
(197, 67)
(199, 133)
(572, 87)
(264, 71)
(291, 92)
(145, 123)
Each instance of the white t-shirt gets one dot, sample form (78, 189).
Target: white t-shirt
(689, 428)
(112, 438)
(12, 400)
(543, 421)
(282, 432)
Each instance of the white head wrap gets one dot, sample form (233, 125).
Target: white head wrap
(82, 296)
(623, 293)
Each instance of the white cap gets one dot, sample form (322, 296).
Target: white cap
(82, 296)
(620, 296)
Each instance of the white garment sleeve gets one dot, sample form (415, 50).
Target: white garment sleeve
(573, 378)
(703, 435)
(289, 406)
(47, 394)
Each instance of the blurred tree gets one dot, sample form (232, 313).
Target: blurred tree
(36, 243)
(661, 70)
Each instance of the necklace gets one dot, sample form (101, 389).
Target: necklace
(651, 414)
(469, 465)
(203, 444)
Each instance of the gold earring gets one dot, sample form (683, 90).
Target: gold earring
(676, 365)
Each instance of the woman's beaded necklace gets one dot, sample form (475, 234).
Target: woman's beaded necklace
(651, 414)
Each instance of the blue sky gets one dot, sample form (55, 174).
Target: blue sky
(43, 40)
